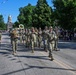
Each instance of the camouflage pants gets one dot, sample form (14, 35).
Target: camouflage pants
(28, 42)
(50, 48)
(33, 43)
(20, 39)
(39, 42)
(45, 43)
(14, 45)
(56, 45)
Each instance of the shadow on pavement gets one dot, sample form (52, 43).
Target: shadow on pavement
(5, 47)
(38, 67)
(34, 57)
(67, 45)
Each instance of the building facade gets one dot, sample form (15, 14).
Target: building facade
(9, 23)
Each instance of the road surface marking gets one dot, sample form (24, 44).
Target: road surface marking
(65, 66)
(69, 68)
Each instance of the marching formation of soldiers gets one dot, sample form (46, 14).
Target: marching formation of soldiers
(33, 37)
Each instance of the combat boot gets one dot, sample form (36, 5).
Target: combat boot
(45, 49)
(14, 53)
(52, 58)
(32, 51)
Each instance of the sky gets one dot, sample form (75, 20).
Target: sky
(11, 7)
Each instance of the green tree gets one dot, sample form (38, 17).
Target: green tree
(65, 13)
(41, 14)
(25, 16)
(16, 24)
(2, 24)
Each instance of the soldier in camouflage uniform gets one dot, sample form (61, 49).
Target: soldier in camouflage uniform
(20, 35)
(14, 37)
(28, 38)
(33, 39)
(23, 37)
(39, 37)
(26, 31)
(56, 39)
(45, 38)
(51, 42)
(36, 33)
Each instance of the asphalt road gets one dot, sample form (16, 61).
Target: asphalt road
(37, 63)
